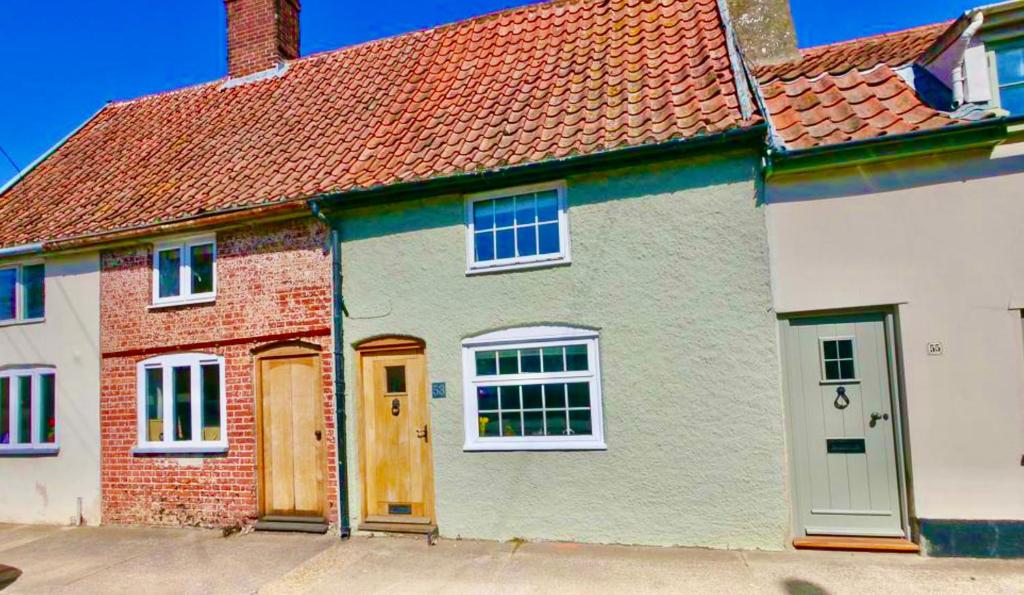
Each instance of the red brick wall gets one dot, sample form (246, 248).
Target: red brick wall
(272, 280)
(260, 33)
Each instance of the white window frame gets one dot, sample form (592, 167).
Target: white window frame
(562, 257)
(529, 338)
(19, 293)
(169, 446)
(821, 360)
(35, 446)
(184, 247)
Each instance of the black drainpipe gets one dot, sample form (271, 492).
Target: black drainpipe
(341, 426)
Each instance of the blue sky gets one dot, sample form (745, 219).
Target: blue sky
(65, 58)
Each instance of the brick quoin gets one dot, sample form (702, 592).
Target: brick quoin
(272, 279)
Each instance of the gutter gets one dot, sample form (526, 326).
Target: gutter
(977, 134)
(23, 250)
(340, 422)
(39, 160)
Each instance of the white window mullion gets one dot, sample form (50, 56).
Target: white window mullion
(167, 373)
(196, 402)
(34, 421)
(14, 402)
(185, 272)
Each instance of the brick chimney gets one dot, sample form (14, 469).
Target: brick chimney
(261, 34)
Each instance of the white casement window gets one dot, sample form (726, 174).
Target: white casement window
(185, 271)
(517, 228)
(536, 388)
(181, 404)
(22, 293)
(28, 410)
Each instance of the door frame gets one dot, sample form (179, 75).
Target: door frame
(391, 345)
(287, 350)
(890, 315)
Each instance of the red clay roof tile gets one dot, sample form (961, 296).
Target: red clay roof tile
(540, 82)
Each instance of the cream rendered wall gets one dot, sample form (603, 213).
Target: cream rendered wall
(943, 239)
(670, 263)
(45, 489)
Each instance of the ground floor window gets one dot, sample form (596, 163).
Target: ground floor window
(536, 388)
(181, 405)
(28, 409)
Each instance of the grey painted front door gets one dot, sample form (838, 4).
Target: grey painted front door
(841, 425)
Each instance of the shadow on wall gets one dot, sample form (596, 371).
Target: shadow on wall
(8, 574)
(661, 178)
(890, 176)
(795, 586)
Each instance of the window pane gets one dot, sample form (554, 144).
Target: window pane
(579, 423)
(1010, 65)
(5, 410)
(169, 271)
(554, 359)
(845, 348)
(508, 362)
(554, 396)
(202, 268)
(509, 397)
(484, 246)
(8, 291)
(483, 214)
(506, 243)
(154, 404)
(1011, 99)
(395, 378)
(579, 394)
(526, 209)
(547, 206)
(576, 357)
(32, 278)
(511, 424)
(181, 381)
(25, 412)
(548, 242)
(831, 370)
(529, 360)
(533, 423)
(556, 423)
(533, 397)
(47, 409)
(831, 351)
(487, 398)
(846, 369)
(489, 427)
(527, 245)
(210, 409)
(486, 363)
(504, 212)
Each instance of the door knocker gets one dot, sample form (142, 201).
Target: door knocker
(396, 407)
(842, 401)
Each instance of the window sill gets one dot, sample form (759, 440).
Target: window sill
(19, 322)
(169, 450)
(27, 450)
(183, 302)
(519, 266)
(549, 445)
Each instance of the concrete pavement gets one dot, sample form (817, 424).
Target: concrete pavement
(135, 560)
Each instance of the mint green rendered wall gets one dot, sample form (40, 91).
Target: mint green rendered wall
(670, 263)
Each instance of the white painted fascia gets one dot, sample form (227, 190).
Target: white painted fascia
(31, 166)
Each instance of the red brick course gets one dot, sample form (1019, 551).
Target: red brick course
(261, 33)
(272, 279)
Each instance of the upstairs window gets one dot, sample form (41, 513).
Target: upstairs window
(185, 271)
(517, 228)
(22, 293)
(28, 410)
(1009, 69)
(533, 389)
(181, 405)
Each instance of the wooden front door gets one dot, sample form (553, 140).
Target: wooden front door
(839, 398)
(291, 434)
(397, 463)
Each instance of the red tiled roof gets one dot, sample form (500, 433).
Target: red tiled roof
(541, 82)
(895, 49)
(850, 91)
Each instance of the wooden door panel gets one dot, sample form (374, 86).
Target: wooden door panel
(305, 447)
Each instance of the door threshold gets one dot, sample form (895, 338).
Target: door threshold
(857, 544)
(392, 527)
(285, 524)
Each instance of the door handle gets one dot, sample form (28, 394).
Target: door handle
(319, 435)
(878, 416)
(423, 433)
